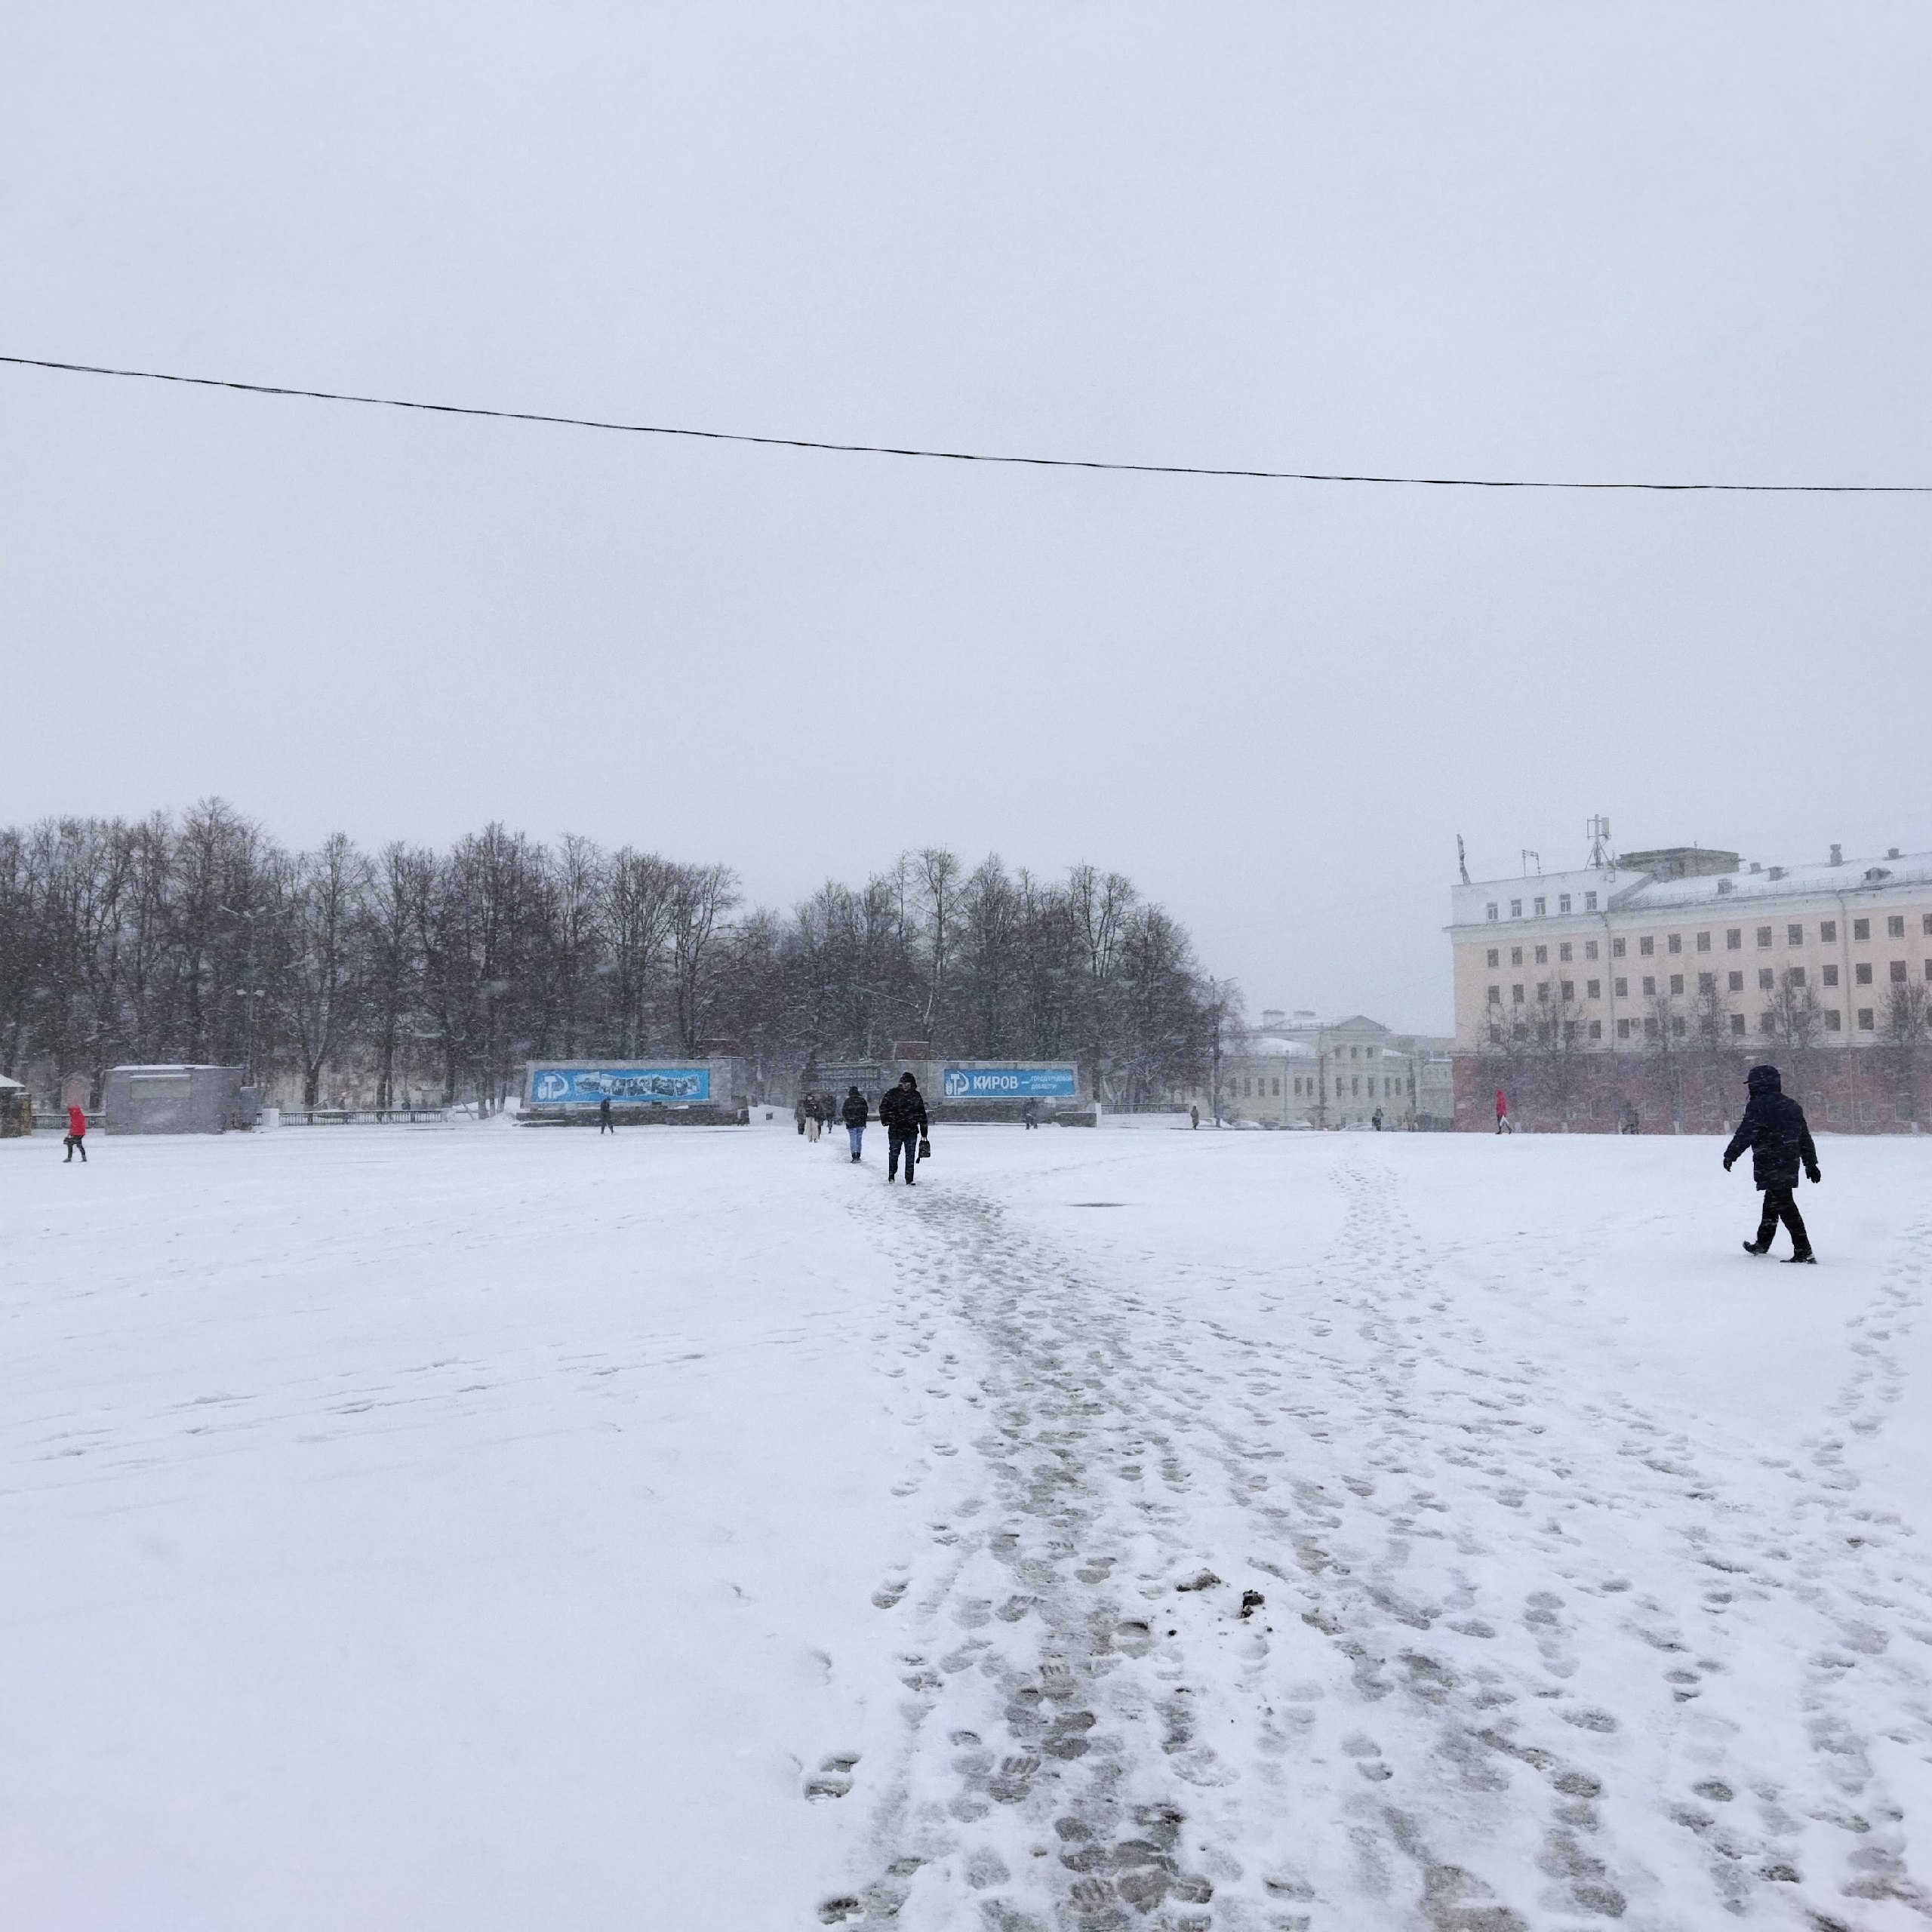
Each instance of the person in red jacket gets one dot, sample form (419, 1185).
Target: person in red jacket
(77, 1134)
(1502, 1122)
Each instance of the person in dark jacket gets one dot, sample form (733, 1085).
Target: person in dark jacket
(903, 1113)
(1775, 1129)
(77, 1134)
(1030, 1113)
(855, 1114)
(604, 1123)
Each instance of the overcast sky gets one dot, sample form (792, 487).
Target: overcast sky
(1676, 241)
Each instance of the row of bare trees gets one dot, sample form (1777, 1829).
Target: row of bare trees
(1694, 1051)
(200, 938)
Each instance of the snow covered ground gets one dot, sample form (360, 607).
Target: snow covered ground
(482, 1529)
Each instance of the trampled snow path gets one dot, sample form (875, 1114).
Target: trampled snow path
(463, 1531)
(1227, 1623)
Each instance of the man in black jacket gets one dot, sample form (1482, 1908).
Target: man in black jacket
(855, 1115)
(1773, 1127)
(903, 1113)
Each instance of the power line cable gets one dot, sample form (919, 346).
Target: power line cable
(965, 456)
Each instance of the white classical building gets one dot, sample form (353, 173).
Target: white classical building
(1300, 1070)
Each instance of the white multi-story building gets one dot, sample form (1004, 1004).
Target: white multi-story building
(1685, 943)
(1299, 1070)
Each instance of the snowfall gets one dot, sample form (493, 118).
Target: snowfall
(476, 1528)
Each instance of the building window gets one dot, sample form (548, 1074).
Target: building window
(1898, 972)
(1736, 983)
(1766, 979)
(1831, 1019)
(1831, 976)
(1542, 956)
(1737, 1023)
(1862, 973)
(1925, 925)
(1622, 988)
(1895, 926)
(1677, 982)
(1649, 986)
(1569, 990)
(1539, 905)
(1861, 929)
(1928, 969)
(1589, 948)
(1516, 955)
(1623, 1029)
(1277, 1088)
(1703, 942)
(1763, 935)
(1355, 1052)
(1542, 990)
(1649, 1029)
(1794, 935)
(1675, 943)
(1795, 976)
(1617, 948)
(1865, 1020)
(1490, 912)
(1495, 956)
(1566, 952)
(1496, 995)
(1646, 946)
(1596, 1030)
(1707, 983)
(1766, 1020)
(1590, 906)
(1734, 938)
(1677, 1026)
(1563, 902)
(1596, 989)
(1515, 908)
(1828, 931)
(1247, 1090)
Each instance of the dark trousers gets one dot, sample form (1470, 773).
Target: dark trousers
(605, 1124)
(75, 1145)
(1779, 1206)
(907, 1144)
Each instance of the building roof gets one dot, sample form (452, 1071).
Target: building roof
(1780, 882)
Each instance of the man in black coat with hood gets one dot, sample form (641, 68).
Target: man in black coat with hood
(903, 1113)
(1774, 1129)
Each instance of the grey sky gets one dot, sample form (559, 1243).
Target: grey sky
(1674, 242)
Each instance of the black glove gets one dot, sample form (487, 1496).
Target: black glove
(1728, 1159)
(1815, 1175)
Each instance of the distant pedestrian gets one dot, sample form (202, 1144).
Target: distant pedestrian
(1375, 1120)
(855, 1114)
(814, 1125)
(903, 1113)
(1630, 1124)
(1775, 1129)
(799, 1112)
(1193, 1116)
(605, 1124)
(1030, 1113)
(76, 1139)
(1503, 1122)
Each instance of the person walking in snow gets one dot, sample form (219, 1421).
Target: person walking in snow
(1193, 1117)
(1775, 1129)
(604, 1123)
(1503, 1122)
(1030, 1113)
(903, 1113)
(855, 1114)
(1375, 1120)
(77, 1135)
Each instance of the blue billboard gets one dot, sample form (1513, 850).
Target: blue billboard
(628, 1086)
(1010, 1083)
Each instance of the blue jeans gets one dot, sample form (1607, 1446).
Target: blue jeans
(856, 1136)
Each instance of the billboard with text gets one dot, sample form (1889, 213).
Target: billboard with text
(1010, 1083)
(622, 1086)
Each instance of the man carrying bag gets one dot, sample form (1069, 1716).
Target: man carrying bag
(903, 1113)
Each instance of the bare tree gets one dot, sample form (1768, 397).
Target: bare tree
(326, 922)
(1908, 1023)
(701, 897)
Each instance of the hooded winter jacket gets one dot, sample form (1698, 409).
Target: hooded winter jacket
(903, 1112)
(1774, 1129)
(855, 1114)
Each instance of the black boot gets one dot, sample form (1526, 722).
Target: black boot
(1751, 1248)
(1807, 1256)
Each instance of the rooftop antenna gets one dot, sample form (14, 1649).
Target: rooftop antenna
(1527, 856)
(1599, 832)
(1462, 859)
